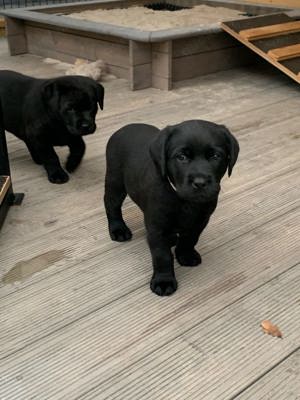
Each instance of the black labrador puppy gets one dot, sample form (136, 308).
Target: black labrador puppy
(51, 112)
(174, 177)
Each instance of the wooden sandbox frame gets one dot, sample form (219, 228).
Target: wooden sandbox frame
(145, 58)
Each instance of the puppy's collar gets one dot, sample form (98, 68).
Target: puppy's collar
(171, 184)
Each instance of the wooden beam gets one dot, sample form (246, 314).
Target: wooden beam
(284, 3)
(4, 186)
(270, 30)
(285, 53)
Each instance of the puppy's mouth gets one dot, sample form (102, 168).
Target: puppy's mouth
(197, 197)
(83, 130)
(188, 193)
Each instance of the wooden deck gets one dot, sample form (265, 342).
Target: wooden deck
(87, 326)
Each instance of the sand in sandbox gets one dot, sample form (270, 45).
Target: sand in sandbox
(147, 19)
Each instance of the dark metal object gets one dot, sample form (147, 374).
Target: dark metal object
(10, 198)
(165, 7)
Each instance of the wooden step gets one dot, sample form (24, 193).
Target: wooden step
(281, 40)
(270, 30)
(4, 186)
(285, 53)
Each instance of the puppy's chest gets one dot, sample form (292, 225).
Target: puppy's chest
(184, 216)
(60, 137)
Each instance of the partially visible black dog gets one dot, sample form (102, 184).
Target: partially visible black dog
(51, 112)
(174, 176)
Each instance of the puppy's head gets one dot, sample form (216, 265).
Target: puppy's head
(194, 156)
(73, 99)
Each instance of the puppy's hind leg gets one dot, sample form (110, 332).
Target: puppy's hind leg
(33, 152)
(114, 196)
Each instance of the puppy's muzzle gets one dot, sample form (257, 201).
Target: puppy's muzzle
(87, 128)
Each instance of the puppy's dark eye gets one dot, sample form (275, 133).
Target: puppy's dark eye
(182, 157)
(215, 156)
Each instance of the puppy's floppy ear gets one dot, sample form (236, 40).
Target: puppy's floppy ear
(50, 94)
(100, 95)
(49, 90)
(158, 149)
(233, 148)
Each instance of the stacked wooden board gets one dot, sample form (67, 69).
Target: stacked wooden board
(4, 186)
(275, 37)
(2, 27)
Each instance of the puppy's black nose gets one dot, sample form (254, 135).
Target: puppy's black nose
(87, 128)
(85, 125)
(201, 182)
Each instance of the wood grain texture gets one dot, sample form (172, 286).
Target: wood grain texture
(234, 29)
(280, 383)
(285, 53)
(208, 62)
(88, 327)
(48, 42)
(284, 3)
(270, 30)
(4, 186)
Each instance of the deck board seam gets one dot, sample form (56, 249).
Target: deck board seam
(141, 239)
(236, 396)
(275, 277)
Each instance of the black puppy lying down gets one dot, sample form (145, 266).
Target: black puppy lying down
(51, 112)
(174, 177)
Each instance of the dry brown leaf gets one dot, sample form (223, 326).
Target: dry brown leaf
(270, 329)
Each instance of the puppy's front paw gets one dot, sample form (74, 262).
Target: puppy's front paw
(120, 232)
(163, 285)
(188, 259)
(58, 176)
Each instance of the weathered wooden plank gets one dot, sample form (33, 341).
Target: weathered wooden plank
(78, 327)
(15, 30)
(277, 41)
(89, 34)
(248, 213)
(160, 82)
(252, 122)
(205, 63)
(162, 71)
(284, 3)
(202, 44)
(281, 383)
(77, 46)
(109, 339)
(256, 22)
(140, 76)
(139, 53)
(89, 5)
(228, 348)
(285, 53)
(140, 65)
(281, 66)
(4, 186)
(284, 153)
(270, 30)
(236, 5)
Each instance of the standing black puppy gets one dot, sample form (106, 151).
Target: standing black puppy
(51, 112)
(174, 176)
